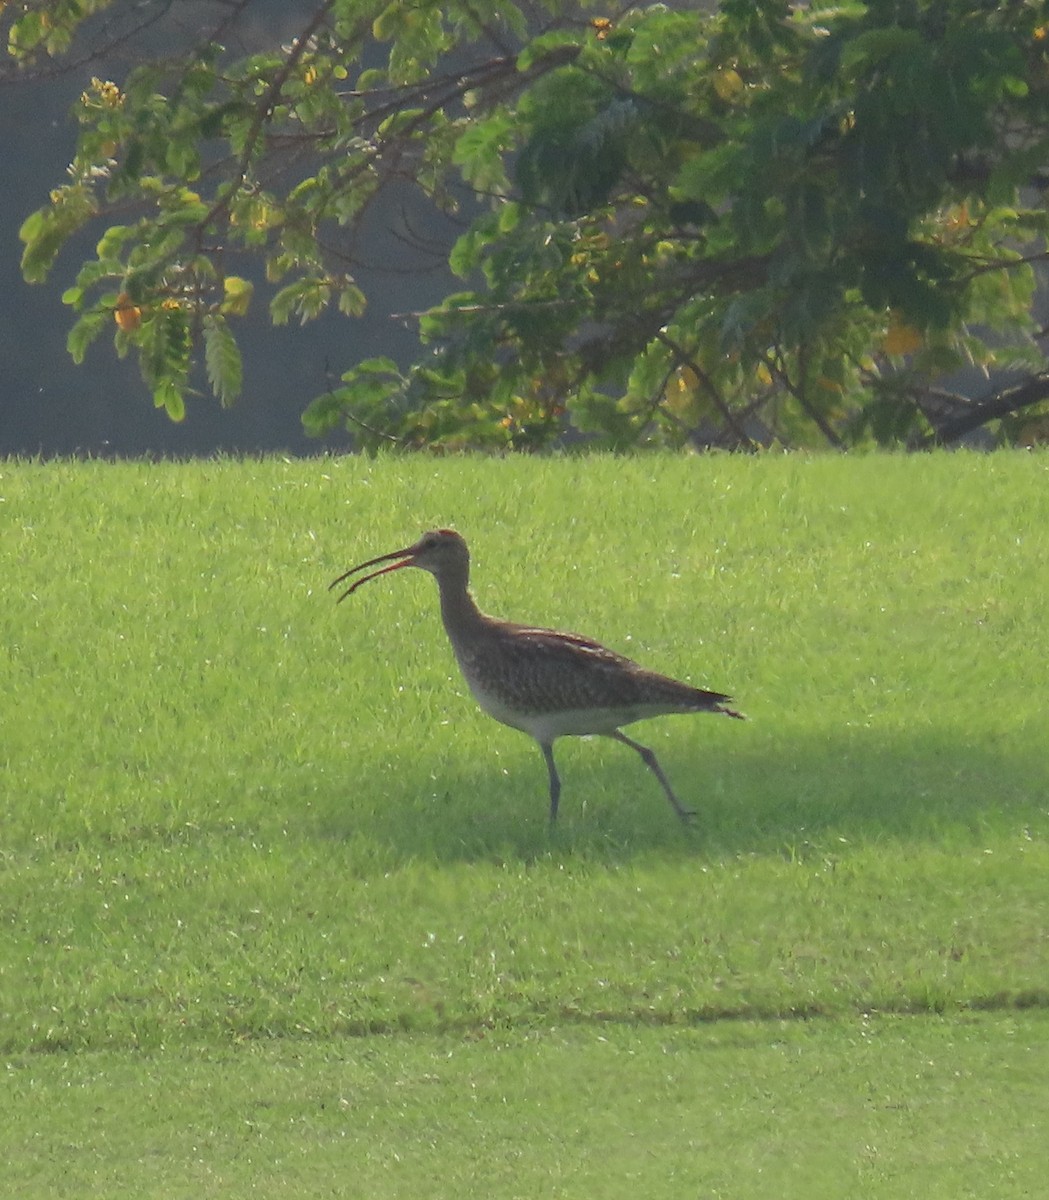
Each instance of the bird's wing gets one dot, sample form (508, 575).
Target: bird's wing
(545, 670)
(570, 645)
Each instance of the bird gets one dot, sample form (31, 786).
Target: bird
(543, 682)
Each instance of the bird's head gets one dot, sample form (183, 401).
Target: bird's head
(442, 552)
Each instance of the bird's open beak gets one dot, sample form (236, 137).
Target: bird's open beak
(407, 557)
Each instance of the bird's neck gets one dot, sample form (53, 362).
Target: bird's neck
(459, 612)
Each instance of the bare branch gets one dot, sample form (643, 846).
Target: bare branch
(1000, 404)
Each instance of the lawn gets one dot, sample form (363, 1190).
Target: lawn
(878, 1107)
(280, 911)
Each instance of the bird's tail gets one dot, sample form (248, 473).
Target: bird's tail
(719, 702)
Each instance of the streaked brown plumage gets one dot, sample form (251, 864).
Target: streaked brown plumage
(545, 683)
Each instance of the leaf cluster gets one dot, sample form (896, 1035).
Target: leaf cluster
(771, 222)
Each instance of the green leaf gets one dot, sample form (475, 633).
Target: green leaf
(307, 298)
(552, 42)
(480, 149)
(84, 332)
(169, 396)
(380, 365)
(164, 349)
(400, 121)
(222, 359)
(468, 250)
(44, 233)
(352, 300)
(389, 22)
(33, 226)
(875, 46)
(111, 243)
(324, 414)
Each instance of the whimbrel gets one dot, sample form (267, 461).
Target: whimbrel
(545, 683)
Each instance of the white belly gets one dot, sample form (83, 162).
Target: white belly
(544, 727)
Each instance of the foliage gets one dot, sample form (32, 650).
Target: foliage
(775, 221)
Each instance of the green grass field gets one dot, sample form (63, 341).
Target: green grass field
(280, 913)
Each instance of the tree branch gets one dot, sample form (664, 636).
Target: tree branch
(1000, 404)
(264, 109)
(686, 360)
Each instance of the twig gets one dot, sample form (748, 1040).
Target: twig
(685, 359)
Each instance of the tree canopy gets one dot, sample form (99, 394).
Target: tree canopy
(784, 222)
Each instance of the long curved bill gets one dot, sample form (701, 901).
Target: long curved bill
(407, 557)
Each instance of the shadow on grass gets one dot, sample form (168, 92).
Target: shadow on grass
(791, 798)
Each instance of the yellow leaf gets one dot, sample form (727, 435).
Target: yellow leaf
(728, 84)
(237, 293)
(957, 218)
(901, 338)
(128, 316)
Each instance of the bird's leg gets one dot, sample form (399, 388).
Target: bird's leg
(650, 761)
(555, 781)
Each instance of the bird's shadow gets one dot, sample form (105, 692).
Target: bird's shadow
(788, 798)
